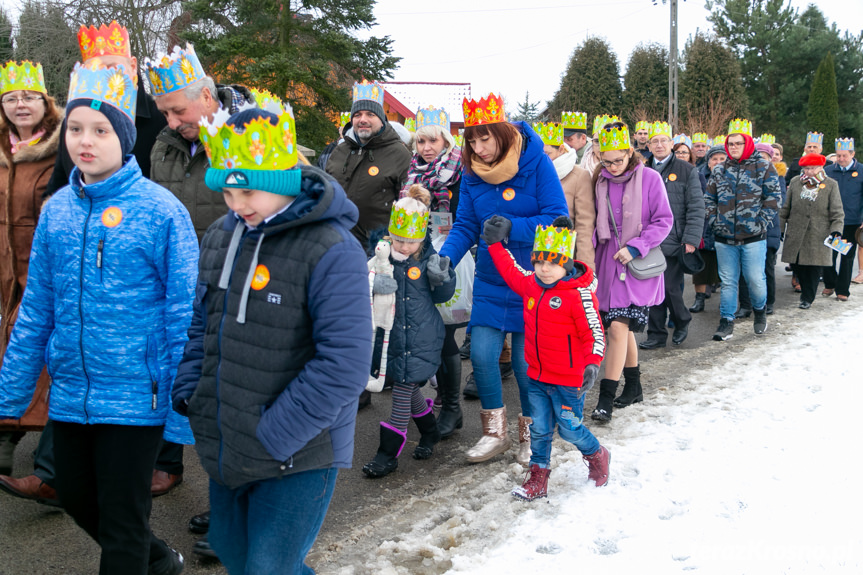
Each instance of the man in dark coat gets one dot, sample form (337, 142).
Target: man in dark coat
(848, 173)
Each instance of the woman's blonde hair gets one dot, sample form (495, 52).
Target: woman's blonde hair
(432, 131)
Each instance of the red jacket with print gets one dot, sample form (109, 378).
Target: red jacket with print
(562, 328)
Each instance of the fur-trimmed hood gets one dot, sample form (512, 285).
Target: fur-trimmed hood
(47, 146)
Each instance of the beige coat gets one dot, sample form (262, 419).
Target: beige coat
(807, 224)
(581, 201)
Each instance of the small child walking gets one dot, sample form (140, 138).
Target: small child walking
(564, 345)
(421, 279)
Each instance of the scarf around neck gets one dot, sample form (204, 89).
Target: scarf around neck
(504, 170)
(631, 204)
(436, 176)
(564, 163)
(811, 185)
(18, 143)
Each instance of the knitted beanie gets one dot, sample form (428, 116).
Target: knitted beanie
(712, 151)
(369, 106)
(553, 244)
(120, 122)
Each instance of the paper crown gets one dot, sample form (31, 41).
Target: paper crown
(700, 138)
(599, 122)
(431, 116)
(110, 40)
(22, 76)
(614, 139)
(259, 145)
(344, 118)
(738, 126)
(114, 86)
(710, 142)
(408, 226)
(574, 120)
(175, 71)
(487, 111)
(682, 139)
(642, 125)
(815, 138)
(719, 141)
(767, 139)
(550, 133)
(659, 129)
(459, 140)
(555, 241)
(368, 91)
(264, 98)
(844, 144)
(411, 124)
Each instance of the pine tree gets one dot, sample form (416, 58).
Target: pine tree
(7, 49)
(526, 111)
(591, 82)
(646, 84)
(46, 37)
(822, 115)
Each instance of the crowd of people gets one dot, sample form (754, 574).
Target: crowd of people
(175, 272)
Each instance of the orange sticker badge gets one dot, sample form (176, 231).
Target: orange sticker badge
(530, 303)
(672, 177)
(112, 217)
(508, 194)
(853, 174)
(262, 277)
(373, 171)
(414, 273)
(822, 186)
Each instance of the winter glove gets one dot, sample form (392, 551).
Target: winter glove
(590, 373)
(384, 285)
(496, 229)
(181, 406)
(834, 235)
(437, 270)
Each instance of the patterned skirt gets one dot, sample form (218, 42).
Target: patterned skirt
(635, 316)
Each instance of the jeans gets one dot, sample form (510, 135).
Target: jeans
(557, 404)
(750, 259)
(770, 274)
(269, 526)
(486, 343)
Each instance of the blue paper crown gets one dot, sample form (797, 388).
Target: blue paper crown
(369, 91)
(433, 117)
(845, 144)
(175, 71)
(682, 139)
(815, 138)
(112, 86)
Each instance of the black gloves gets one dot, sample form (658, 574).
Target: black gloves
(496, 229)
(834, 235)
(437, 270)
(590, 373)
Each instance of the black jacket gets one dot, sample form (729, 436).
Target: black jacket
(686, 198)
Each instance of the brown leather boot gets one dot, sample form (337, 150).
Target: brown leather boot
(494, 440)
(163, 482)
(30, 487)
(523, 455)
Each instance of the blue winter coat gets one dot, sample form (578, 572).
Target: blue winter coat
(535, 197)
(108, 302)
(851, 189)
(774, 236)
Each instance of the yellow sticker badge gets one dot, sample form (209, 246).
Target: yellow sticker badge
(112, 217)
(672, 177)
(530, 303)
(853, 174)
(262, 277)
(414, 273)
(373, 171)
(822, 186)
(508, 194)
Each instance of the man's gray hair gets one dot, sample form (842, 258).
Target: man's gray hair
(194, 91)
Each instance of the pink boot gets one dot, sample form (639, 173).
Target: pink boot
(535, 484)
(597, 465)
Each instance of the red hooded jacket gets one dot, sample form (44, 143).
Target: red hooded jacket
(562, 328)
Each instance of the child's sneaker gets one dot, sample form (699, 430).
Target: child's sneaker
(535, 485)
(597, 465)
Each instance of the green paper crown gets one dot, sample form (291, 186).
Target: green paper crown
(408, 226)
(767, 139)
(258, 146)
(614, 139)
(719, 140)
(574, 120)
(659, 129)
(411, 124)
(738, 126)
(23, 76)
(602, 120)
(700, 138)
(844, 144)
(555, 240)
(550, 133)
(459, 140)
(344, 118)
(264, 98)
(642, 125)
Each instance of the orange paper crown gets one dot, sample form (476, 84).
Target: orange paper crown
(486, 111)
(111, 40)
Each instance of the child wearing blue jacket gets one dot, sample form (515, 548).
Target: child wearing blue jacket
(107, 306)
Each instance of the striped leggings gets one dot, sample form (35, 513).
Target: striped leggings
(407, 400)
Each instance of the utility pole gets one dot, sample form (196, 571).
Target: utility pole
(672, 69)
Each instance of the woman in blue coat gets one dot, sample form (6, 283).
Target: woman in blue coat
(506, 173)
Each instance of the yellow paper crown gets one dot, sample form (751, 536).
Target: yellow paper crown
(264, 98)
(719, 141)
(574, 120)
(551, 133)
(110, 40)
(408, 226)
(844, 144)
(614, 139)
(488, 110)
(22, 76)
(767, 139)
(659, 129)
(344, 118)
(259, 145)
(411, 124)
(642, 125)
(175, 71)
(700, 138)
(738, 126)
(459, 140)
(559, 241)
(599, 122)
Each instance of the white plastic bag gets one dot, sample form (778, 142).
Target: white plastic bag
(457, 309)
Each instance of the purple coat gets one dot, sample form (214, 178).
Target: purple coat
(656, 222)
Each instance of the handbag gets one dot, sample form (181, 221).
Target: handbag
(457, 310)
(641, 268)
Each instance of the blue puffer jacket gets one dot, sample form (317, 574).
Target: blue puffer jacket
(534, 196)
(108, 302)
(774, 236)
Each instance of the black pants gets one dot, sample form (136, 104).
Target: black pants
(170, 459)
(672, 304)
(808, 276)
(770, 271)
(103, 482)
(841, 282)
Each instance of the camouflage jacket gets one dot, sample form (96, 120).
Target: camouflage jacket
(742, 199)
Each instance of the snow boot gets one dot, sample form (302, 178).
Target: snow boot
(698, 306)
(429, 433)
(597, 466)
(535, 484)
(742, 313)
(464, 350)
(760, 324)
(725, 330)
(494, 440)
(605, 405)
(386, 460)
(448, 382)
(632, 392)
(523, 455)
(470, 390)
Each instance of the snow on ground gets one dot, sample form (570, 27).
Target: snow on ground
(752, 466)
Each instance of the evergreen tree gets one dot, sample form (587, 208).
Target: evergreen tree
(822, 115)
(526, 111)
(45, 36)
(591, 82)
(302, 51)
(646, 84)
(7, 49)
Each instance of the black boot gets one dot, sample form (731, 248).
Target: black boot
(386, 459)
(365, 399)
(607, 391)
(464, 350)
(470, 390)
(429, 433)
(698, 306)
(631, 388)
(448, 382)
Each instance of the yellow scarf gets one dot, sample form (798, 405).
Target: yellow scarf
(503, 170)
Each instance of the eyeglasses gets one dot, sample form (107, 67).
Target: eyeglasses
(13, 101)
(662, 141)
(734, 144)
(614, 163)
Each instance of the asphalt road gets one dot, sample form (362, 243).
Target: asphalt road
(36, 539)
